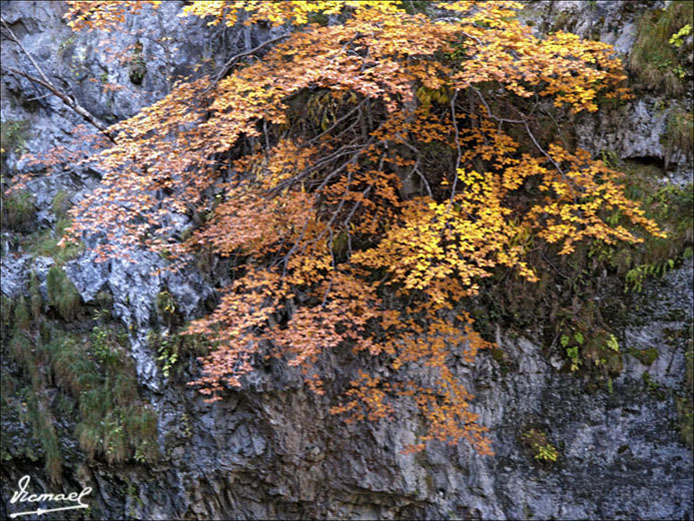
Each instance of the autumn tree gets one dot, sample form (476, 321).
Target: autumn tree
(363, 175)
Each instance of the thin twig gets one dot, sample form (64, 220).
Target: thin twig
(70, 101)
(229, 64)
(460, 152)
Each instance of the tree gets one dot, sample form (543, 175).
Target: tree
(364, 175)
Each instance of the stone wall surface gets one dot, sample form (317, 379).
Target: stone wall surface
(272, 450)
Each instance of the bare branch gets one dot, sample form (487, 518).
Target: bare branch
(460, 152)
(229, 64)
(70, 101)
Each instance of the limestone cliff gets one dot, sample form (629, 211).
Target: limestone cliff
(272, 450)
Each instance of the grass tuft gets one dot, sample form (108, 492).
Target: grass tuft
(44, 243)
(62, 294)
(18, 212)
(654, 59)
(679, 133)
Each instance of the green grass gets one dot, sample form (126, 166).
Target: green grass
(13, 135)
(44, 243)
(42, 422)
(654, 59)
(61, 204)
(110, 408)
(74, 370)
(22, 316)
(35, 298)
(98, 390)
(679, 133)
(18, 212)
(62, 294)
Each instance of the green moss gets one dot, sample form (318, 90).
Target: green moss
(498, 354)
(645, 356)
(318, 18)
(654, 59)
(652, 386)
(62, 294)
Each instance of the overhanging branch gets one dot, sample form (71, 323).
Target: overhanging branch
(70, 101)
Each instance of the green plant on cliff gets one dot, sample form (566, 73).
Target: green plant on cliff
(542, 450)
(45, 242)
(679, 133)
(114, 423)
(62, 294)
(13, 135)
(18, 212)
(656, 55)
(96, 386)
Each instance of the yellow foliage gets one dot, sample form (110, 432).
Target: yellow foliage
(344, 234)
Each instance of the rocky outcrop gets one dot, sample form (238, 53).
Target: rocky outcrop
(272, 450)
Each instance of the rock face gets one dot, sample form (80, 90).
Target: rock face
(272, 450)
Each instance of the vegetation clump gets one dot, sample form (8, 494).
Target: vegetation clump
(13, 135)
(62, 294)
(96, 386)
(542, 450)
(18, 212)
(657, 55)
(679, 133)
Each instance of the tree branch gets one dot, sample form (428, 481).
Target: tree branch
(229, 64)
(45, 82)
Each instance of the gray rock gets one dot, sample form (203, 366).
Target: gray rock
(13, 274)
(88, 276)
(271, 449)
